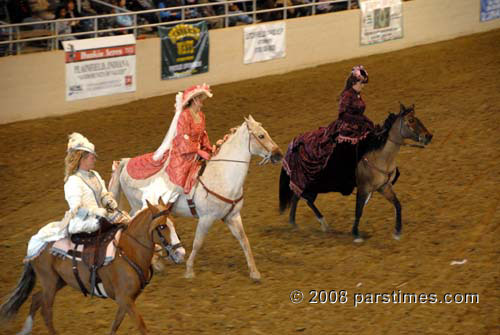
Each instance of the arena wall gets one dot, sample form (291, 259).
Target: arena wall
(33, 85)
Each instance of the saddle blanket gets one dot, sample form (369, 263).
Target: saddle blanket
(143, 167)
(63, 246)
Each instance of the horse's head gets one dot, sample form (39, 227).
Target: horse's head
(159, 235)
(261, 143)
(411, 127)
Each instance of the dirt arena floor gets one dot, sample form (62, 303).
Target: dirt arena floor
(449, 193)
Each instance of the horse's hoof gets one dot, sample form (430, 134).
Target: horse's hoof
(326, 228)
(158, 266)
(189, 274)
(294, 226)
(358, 240)
(255, 276)
(396, 236)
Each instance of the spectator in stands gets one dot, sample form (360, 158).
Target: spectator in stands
(323, 8)
(123, 21)
(63, 27)
(167, 16)
(40, 9)
(140, 5)
(18, 10)
(77, 26)
(88, 9)
(290, 12)
(233, 20)
(209, 11)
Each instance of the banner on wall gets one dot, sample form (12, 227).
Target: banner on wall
(381, 20)
(490, 9)
(264, 42)
(184, 50)
(99, 66)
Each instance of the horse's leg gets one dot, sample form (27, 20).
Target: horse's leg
(389, 194)
(128, 305)
(36, 303)
(361, 197)
(236, 226)
(324, 225)
(204, 224)
(293, 210)
(120, 314)
(51, 283)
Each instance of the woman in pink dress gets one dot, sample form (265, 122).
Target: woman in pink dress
(190, 142)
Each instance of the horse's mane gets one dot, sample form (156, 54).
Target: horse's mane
(137, 217)
(226, 137)
(377, 138)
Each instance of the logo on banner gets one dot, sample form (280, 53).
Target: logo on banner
(128, 80)
(184, 50)
(99, 66)
(381, 20)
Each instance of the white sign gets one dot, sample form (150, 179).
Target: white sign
(381, 20)
(264, 42)
(99, 66)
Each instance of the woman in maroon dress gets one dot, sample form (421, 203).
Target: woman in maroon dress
(308, 154)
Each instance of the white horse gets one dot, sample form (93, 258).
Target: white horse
(219, 191)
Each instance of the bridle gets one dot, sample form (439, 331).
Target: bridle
(167, 246)
(262, 144)
(403, 137)
(232, 202)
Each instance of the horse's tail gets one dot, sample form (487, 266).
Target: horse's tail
(114, 183)
(20, 294)
(285, 192)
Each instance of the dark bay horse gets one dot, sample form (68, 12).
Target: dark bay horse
(375, 171)
(123, 279)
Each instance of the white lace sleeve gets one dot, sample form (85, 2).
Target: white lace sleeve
(73, 192)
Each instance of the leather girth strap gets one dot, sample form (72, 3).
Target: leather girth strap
(220, 197)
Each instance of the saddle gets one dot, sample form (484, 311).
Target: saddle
(94, 251)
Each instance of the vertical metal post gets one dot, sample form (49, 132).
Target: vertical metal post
(254, 7)
(226, 19)
(285, 9)
(55, 40)
(135, 25)
(348, 4)
(11, 52)
(313, 7)
(18, 44)
(95, 26)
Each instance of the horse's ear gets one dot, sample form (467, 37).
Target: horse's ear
(412, 107)
(402, 107)
(160, 201)
(251, 117)
(246, 120)
(151, 207)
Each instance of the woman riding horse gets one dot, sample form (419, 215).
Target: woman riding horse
(309, 153)
(187, 141)
(84, 188)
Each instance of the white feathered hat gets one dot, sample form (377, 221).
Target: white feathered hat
(79, 142)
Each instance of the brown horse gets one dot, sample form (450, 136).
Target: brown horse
(123, 279)
(375, 171)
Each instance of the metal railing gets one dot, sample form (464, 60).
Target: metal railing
(49, 28)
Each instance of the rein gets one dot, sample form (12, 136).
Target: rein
(250, 133)
(233, 203)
